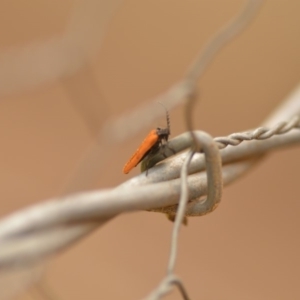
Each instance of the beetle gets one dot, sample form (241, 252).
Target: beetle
(151, 144)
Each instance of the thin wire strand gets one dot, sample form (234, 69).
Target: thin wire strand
(180, 213)
(165, 287)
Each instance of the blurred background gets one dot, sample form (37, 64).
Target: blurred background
(53, 102)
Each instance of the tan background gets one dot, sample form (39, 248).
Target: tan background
(247, 249)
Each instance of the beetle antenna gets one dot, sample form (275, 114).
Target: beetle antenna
(167, 116)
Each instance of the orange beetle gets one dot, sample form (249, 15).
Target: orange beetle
(153, 141)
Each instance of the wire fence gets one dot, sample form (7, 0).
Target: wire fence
(31, 235)
(175, 186)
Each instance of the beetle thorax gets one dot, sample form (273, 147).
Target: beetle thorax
(163, 133)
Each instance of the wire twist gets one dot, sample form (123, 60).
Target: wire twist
(260, 133)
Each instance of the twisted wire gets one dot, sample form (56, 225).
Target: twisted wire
(260, 133)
